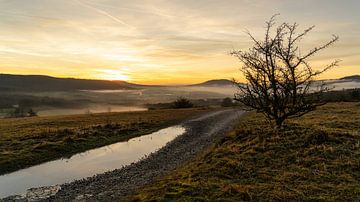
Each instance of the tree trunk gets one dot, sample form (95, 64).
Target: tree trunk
(279, 123)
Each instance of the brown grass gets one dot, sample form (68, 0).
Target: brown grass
(315, 158)
(29, 141)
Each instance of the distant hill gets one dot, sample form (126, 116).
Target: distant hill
(9, 82)
(353, 77)
(226, 82)
(214, 83)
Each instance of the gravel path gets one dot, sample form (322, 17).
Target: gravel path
(200, 133)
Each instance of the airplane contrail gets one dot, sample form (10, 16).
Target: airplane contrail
(102, 12)
(155, 12)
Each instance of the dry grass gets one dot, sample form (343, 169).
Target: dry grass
(29, 141)
(316, 158)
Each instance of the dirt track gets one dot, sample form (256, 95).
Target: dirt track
(200, 133)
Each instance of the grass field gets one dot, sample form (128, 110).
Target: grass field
(30, 141)
(315, 158)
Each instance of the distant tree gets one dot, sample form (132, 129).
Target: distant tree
(31, 113)
(355, 94)
(280, 80)
(227, 102)
(182, 102)
(16, 112)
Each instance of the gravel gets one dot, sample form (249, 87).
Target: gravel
(200, 133)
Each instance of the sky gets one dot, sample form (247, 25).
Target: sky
(163, 41)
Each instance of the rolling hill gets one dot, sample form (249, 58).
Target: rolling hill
(353, 77)
(9, 82)
(215, 83)
(30, 83)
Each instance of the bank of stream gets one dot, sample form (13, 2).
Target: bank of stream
(85, 164)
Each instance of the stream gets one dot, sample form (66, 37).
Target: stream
(51, 174)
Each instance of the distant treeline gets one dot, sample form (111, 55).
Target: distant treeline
(349, 95)
(215, 102)
(17, 112)
(196, 103)
(29, 101)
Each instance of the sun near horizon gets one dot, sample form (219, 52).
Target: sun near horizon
(162, 42)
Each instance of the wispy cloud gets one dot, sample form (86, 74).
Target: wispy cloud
(147, 10)
(160, 39)
(11, 14)
(103, 12)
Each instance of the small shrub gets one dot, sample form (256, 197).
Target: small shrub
(182, 102)
(31, 113)
(227, 102)
(355, 94)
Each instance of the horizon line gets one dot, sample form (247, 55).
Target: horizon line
(130, 82)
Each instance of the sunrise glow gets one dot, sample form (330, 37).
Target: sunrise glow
(108, 74)
(161, 42)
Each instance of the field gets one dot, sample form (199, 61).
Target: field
(30, 141)
(315, 158)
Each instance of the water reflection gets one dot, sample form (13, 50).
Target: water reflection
(87, 163)
(89, 110)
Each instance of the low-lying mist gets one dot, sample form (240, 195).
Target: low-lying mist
(90, 109)
(100, 101)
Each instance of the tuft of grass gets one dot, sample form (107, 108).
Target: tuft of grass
(315, 158)
(30, 141)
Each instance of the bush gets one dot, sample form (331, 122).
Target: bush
(31, 113)
(182, 102)
(355, 94)
(227, 102)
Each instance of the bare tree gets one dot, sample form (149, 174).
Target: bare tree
(280, 80)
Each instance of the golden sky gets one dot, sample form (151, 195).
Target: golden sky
(162, 41)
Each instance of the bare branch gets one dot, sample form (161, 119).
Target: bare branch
(280, 79)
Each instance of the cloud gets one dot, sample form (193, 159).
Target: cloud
(103, 12)
(158, 37)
